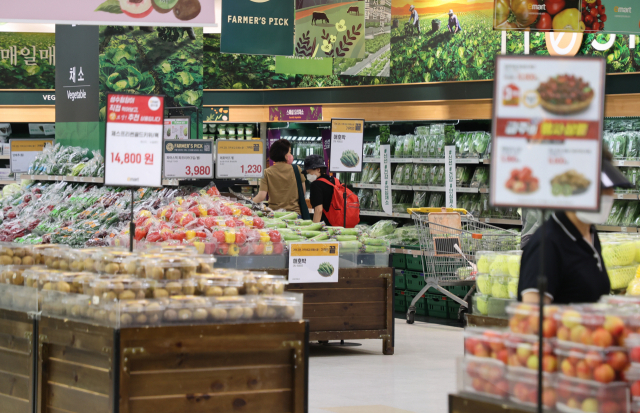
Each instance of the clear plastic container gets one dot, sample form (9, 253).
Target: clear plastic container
(513, 263)
(484, 259)
(601, 325)
(512, 287)
(114, 262)
(485, 376)
(480, 304)
(592, 363)
(58, 304)
(219, 287)
(13, 274)
(484, 284)
(187, 309)
(523, 354)
(169, 288)
(497, 307)
(576, 395)
(287, 306)
(18, 298)
(523, 389)
(51, 280)
(500, 265)
(523, 319)
(170, 268)
(39, 251)
(499, 286)
(485, 343)
(16, 254)
(232, 309)
(261, 283)
(633, 378)
(118, 288)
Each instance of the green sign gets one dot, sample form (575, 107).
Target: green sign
(304, 65)
(258, 27)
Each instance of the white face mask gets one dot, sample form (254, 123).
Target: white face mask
(606, 203)
(311, 178)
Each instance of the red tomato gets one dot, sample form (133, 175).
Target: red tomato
(594, 12)
(554, 6)
(588, 20)
(544, 22)
(596, 26)
(602, 9)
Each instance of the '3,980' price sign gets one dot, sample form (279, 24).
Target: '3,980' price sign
(184, 159)
(240, 159)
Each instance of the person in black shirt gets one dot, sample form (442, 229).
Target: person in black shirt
(573, 261)
(321, 193)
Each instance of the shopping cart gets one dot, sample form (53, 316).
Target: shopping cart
(449, 239)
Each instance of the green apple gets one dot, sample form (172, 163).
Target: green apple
(499, 266)
(512, 287)
(514, 265)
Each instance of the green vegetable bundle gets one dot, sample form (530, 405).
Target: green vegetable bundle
(409, 141)
(436, 200)
(480, 177)
(399, 153)
(419, 199)
(325, 269)
(385, 134)
(398, 174)
(449, 134)
(350, 158)
(382, 227)
(464, 175)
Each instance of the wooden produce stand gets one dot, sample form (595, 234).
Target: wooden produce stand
(467, 403)
(486, 321)
(359, 306)
(17, 331)
(257, 367)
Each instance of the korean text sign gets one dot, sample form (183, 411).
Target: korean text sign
(24, 152)
(133, 154)
(314, 262)
(240, 159)
(188, 159)
(347, 137)
(547, 132)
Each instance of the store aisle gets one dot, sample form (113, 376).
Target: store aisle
(418, 378)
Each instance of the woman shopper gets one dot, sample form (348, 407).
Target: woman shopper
(321, 192)
(283, 182)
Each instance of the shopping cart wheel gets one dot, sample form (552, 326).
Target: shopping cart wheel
(411, 314)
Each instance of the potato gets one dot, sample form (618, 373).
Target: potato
(174, 288)
(117, 287)
(156, 273)
(141, 319)
(173, 274)
(154, 318)
(88, 264)
(230, 291)
(247, 313)
(76, 310)
(261, 310)
(189, 287)
(235, 313)
(48, 286)
(17, 261)
(141, 295)
(204, 268)
(200, 314)
(252, 290)
(19, 252)
(112, 268)
(6, 260)
(28, 260)
(218, 314)
(127, 295)
(171, 315)
(100, 315)
(109, 296)
(125, 319)
(7, 251)
(63, 265)
(76, 265)
(214, 291)
(63, 287)
(185, 314)
(112, 317)
(271, 312)
(130, 267)
(160, 293)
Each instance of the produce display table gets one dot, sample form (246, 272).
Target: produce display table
(17, 379)
(486, 321)
(468, 403)
(359, 306)
(252, 367)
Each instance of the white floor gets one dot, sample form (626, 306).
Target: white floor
(417, 378)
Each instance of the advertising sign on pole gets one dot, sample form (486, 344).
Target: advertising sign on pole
(450, 176)
(385, 178)
(24, 152)
(177, 128)
(191, 159)
(133, 153)
(240, 159)
(547, 132)
(314, 262)
(347, 138)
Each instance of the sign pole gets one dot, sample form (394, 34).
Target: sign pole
(132, 225)
(542, 288)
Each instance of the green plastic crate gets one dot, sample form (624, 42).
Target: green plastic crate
(459, 290)
(453, 309)
(414, 263)
(398, 261)
(414, 280)
(421, 308)
(400, 301)
(401, 281)
(436, 305)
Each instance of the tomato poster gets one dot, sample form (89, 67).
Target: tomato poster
(547, 132)
(133, 150)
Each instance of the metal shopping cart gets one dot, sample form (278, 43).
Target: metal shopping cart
(449, 239)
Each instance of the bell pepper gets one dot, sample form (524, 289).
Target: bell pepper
(229, 237)
(258, 248)
(278, 248)
(567, 21)
(222, 249)
(191, 234)
(234, 250)
(240, 238)
(203, 211)
(219, 236)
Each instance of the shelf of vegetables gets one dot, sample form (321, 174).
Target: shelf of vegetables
(81, 179)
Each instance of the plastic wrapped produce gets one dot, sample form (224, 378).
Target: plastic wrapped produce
(633, 152)
(399, 153)
(436, 129)
(419, 199)
(464, 175)
(480, 177)
(418, 143)
(440, 144)
(436, 200)
(449, 134)
(407, 174)
(382, 228)
(408, 146)
(398, 175)
(618, 145)
(440, 177)
(424, 150)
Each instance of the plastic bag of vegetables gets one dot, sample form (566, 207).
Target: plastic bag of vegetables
(436, 200)
(364, 196)
(436, 129)
(417, 146)
(632, 145)
(408, 146)
(408, 174)
(440, 146)
(424, 153)
(376, 200)
(431, 177)
(375, 174)
(618, 145)
(449, 134)
(617, 212)
(419, 199)
(382, 228)
(440, 176)
(400, 147)
(464, 175)
(481, 143)
(398, 174)
(480, 177)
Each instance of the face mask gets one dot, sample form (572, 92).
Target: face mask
(311, 178)
(289, 158)
(606, 203)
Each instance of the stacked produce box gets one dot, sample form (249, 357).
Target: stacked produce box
(496, 282)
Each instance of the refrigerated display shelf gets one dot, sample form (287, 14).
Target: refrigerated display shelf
(82, 179)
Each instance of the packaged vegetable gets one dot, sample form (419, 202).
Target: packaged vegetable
(382, 227)
(419, 199)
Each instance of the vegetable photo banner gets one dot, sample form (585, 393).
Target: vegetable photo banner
(265, 27)
(186, 13)
(547, 132)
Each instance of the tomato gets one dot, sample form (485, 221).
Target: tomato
(525, 12)
(603, 18)
(544, 22)
(595, 26)
(602, 9)
(554, 6)
(502, 12)
(588, 20)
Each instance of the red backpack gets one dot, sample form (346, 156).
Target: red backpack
(335, 214)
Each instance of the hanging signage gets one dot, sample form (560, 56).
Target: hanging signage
(450, 176)
(24, 152)
(347, 145)
(240, 159)
(177, 128)
(319, 66)
(385, 178)
(133, 152)
(294, 113)
(262, 27)
(314, 262)
(186, 13)
(547, 132)
(191, 159)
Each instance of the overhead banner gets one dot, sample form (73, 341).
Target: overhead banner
(187, 13)
(133, 154)
(347, 138)
(294, 113)
(263, 27)
(547, 132)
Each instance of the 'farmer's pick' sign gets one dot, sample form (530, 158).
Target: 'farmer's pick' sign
(258, 27)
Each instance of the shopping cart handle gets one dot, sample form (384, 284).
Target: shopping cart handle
(461, 211)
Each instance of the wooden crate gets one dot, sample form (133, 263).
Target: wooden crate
(358, 306)
(16, 362)
(261, 367)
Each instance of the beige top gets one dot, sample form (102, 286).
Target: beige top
(280, 183)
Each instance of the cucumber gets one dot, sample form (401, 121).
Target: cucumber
(292, 237)
(345, 237)
(321, 237)
(314, 227)
(302, 222)
(285, 215)
(348, 231)
(309, 234)
(350, 245)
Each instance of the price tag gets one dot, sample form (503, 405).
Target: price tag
(346, 145)
(620, 163)
(24, 152)
(184, 159)
(314, 262)
(623, 229)
(240, 159)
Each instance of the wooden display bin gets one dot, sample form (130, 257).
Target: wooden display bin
(358, 306)
(17, 369)
(257, 367)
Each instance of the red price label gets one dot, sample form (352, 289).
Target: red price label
(131, 158)
(251, 169)
(198, 171)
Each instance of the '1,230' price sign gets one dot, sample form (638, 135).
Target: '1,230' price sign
(240, 159)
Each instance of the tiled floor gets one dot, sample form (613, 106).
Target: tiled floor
(418, 378)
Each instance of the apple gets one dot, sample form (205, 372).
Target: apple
(502, 388)
(532, 362)
(567, 368)
(618, 360)
(470, 344)
(549, 398)
(514, 361)
(477, 384)
(602, 338)
(577, 332)
(523, 350)
(593, 359)
(503, 355)
(571, 318)
(586, 338)
(604, 373)
(549, 363)
(583, 371)
(614, 325)
(549, 328)
(480, 350)
(610, 407)
(635, 389)
(494, 339)
(521, 391)
(590, 405)
(572, 403)
(514, 325)
(635, 354)
(563, 333)
(575, 356)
